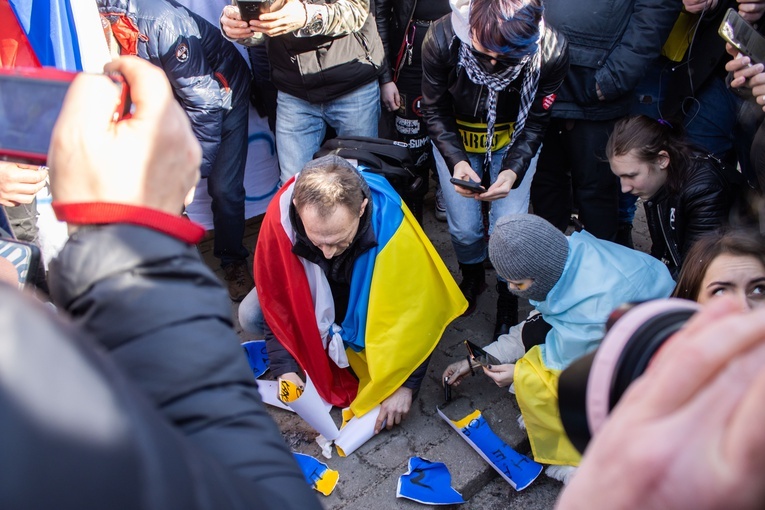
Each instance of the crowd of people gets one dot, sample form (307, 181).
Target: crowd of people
(565, 113)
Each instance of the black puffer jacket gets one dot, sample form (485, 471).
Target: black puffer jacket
(611, 43)
(448, 94)
(207, 73)
(165, 321)
(676, 220)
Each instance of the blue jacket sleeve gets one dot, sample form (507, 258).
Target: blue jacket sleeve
(200, 92)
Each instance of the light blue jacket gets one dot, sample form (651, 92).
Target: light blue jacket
(598, 277)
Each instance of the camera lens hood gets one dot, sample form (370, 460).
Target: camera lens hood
(591, 386)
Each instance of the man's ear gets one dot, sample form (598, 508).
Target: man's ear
(363, 207)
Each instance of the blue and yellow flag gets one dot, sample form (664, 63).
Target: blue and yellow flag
(429, 483)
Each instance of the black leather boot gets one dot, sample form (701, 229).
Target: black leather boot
(507, 310)
(473, 283)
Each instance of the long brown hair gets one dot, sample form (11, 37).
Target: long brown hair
(647, 137)
(739, 242)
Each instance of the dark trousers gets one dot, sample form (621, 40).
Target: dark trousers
(573, 171)
(225, 184)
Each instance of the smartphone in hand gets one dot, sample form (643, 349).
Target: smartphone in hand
(468, 185)
(479, 355)
(743, 36)
(19, 262)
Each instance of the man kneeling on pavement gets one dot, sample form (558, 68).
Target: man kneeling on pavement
(338, 241)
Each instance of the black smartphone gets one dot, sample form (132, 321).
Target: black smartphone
(251, 9)
(742, 36)
(479, 355)
(18, 262)
(30, 102)
(468, 185)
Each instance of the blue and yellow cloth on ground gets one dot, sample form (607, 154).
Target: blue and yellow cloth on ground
(317, 474)
(429, 483)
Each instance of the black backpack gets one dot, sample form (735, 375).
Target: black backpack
(388, 158)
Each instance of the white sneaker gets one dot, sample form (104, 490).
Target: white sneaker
(440, 205)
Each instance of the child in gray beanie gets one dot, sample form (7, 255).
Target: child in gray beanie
(573, 283)
(524, 246)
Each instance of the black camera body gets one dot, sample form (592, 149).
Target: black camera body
(591, 386)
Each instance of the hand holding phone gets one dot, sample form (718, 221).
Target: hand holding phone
(251, 9)
(19, 262)
(30, 103)
(468, 185)
(479, 355)
(742, 36)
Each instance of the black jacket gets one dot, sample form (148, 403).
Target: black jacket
(448, 94)
(392, 18)
(707, 60)
(611, 42)
(153, 402)
(322, 68)
(704, 202)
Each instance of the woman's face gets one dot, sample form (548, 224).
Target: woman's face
(638, 177)
(738, 276)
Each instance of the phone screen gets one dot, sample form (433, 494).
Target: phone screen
(743, 36)
(479, 355)
(18, 262)
(28, 110)
(250, 9)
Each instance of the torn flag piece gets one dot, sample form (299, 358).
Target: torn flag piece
(257, 356)
(517, 470)
(317, 474)
(429, 483)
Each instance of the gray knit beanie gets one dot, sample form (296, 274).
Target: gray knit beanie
(526, 246)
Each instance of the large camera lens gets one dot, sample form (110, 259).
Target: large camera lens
(590, 387)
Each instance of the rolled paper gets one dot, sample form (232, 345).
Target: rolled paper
(309, 406)
(355, 431)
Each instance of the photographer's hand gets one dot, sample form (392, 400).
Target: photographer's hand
(149, 160)
(688, 433)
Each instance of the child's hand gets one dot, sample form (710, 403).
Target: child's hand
(502, 375)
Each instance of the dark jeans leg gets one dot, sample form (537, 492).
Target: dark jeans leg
(551, 188)
(596, 188)
(226, 187)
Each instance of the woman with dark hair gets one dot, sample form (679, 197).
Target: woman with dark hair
(490, 72)
(685, 191)
(725, 262)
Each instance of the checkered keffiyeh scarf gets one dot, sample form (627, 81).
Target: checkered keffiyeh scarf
(500, 81)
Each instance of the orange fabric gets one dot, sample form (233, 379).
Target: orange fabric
(125, 32)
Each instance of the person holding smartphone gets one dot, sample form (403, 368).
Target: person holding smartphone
(99, 409)
(573, 283)
(489, 80)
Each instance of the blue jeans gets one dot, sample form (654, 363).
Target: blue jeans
(301, 126)
(251, 315)
(464, 215)
(225, 184)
